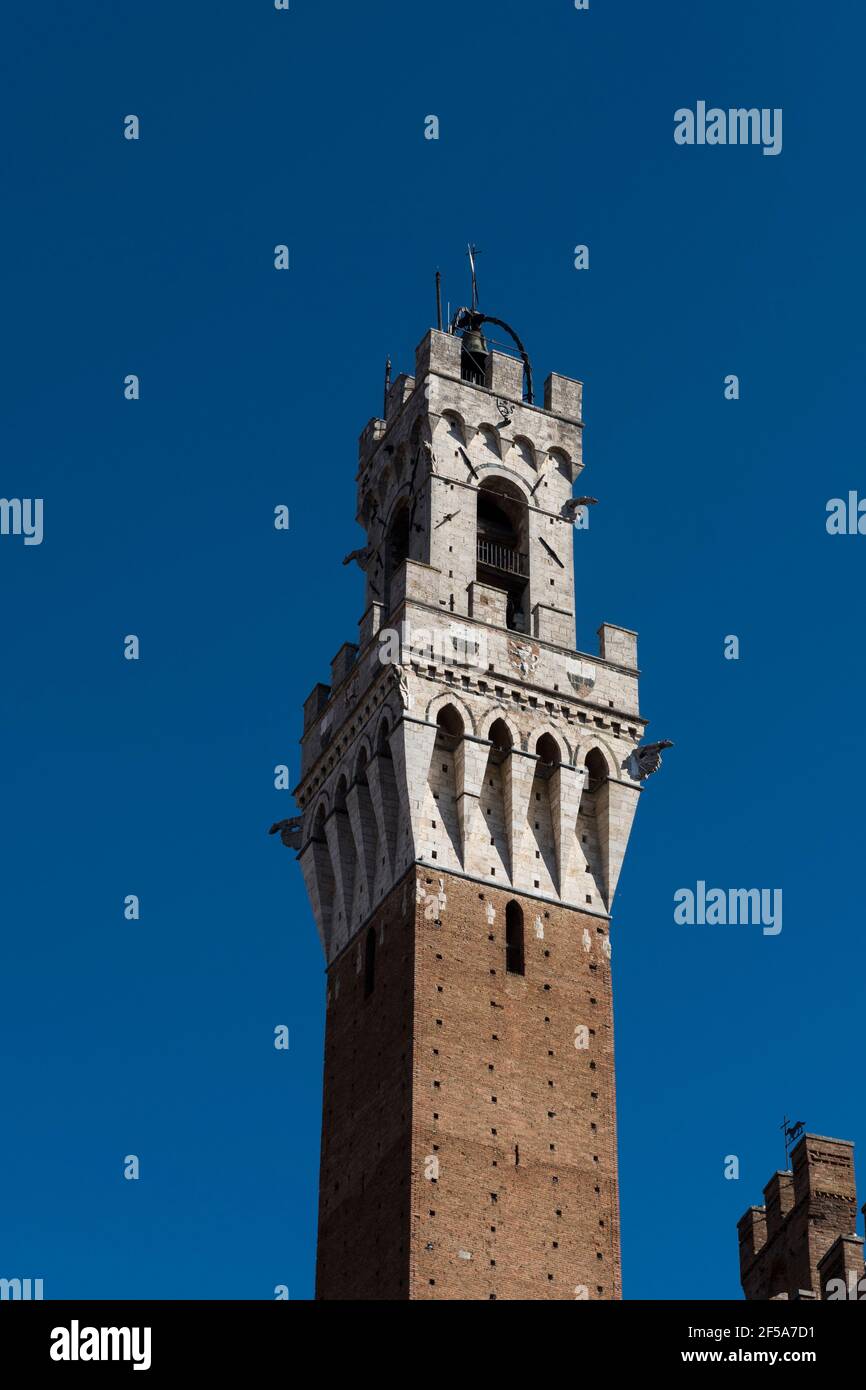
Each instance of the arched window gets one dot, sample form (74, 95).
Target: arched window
(596, 770)
(548, 753)
(450, 727)
(500, 736)
(396, 549)
(514, 939)
(490, 440)
(455, 426)
(502, 546)
(501, 740)
(562, 463)
(318, 833)
(361, 768)
(369, 963)
(383, 747)
(524, 452)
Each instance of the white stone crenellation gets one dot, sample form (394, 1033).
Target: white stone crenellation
(483, 745)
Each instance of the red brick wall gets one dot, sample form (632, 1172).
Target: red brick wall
(442, 992)
(554, 1226)
(364, 1221)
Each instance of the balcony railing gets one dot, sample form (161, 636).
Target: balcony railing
(502, 557)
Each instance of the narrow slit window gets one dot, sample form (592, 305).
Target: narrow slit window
(514, 963)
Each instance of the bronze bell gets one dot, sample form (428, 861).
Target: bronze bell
(474, 342)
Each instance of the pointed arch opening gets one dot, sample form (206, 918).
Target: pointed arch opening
(449, 727)
(440, 799)
(318, 832)
(501, 741)
(524, 451)
(321, 871)
(548, 754)
(385, 802)
(340, 796)
(541, 818)
(396, 549)
(489, 441)
(361, 768)
(596, 770)
(383, 747)
(454, 426)
(502, 546)
(561, 461)
(494, 849)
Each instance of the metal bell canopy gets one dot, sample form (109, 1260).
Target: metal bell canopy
(467, 321)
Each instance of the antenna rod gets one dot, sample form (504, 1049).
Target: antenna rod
(387, 386)
(439, 300)
(472, 253)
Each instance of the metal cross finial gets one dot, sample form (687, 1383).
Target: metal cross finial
(472, 252)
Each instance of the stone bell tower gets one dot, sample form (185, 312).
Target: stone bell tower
(468, 786)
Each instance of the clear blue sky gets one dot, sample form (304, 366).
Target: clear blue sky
(156, 777)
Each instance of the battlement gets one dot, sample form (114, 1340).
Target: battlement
(806, 1211)
(441, 354)
(557, 420)
(398, 394)
(841, 1271)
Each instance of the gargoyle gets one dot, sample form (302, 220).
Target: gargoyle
(362, 556)
(570, 509)
(291, 831)
(646, 760)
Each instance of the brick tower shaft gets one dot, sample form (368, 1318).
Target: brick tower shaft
(495, 1175)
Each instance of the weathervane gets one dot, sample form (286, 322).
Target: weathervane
(792, 1134)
